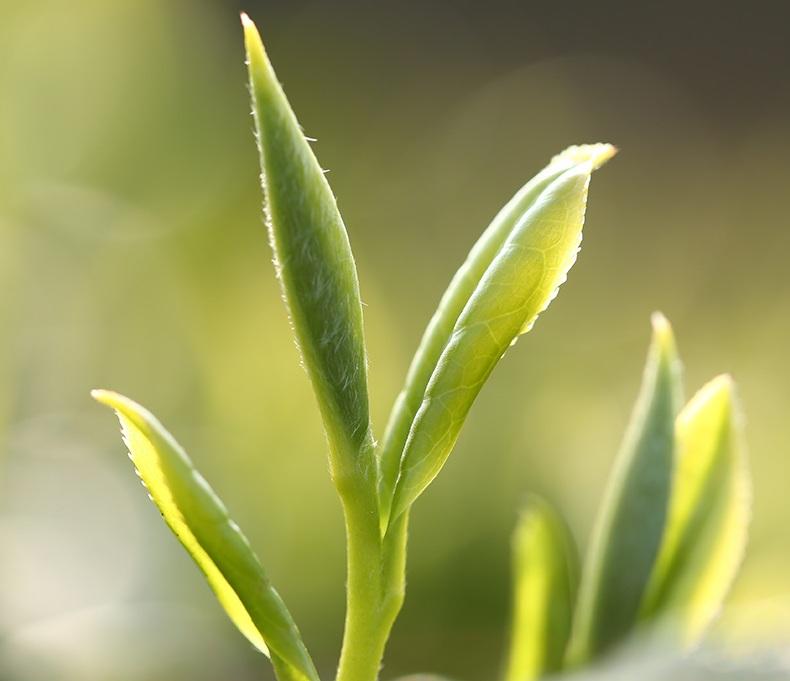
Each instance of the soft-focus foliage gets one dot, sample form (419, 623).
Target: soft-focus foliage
(630, 523)
(709, 512)
(545, 576)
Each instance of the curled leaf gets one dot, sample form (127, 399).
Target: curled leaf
(516, 286)
(545, 577)
(201, 523)
(708, 515)
(630, 524)
(315, 267)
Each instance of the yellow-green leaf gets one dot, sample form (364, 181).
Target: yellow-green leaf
(545, 576)
(455, 298)
(630, 523)
(201, 523)
(708, 517)
(516, 286)
(315, 267)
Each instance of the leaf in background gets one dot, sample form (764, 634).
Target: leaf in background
(315, 266)
(455, 298)
(708, 515)
(631, 521)
(518, 284)
(200, 521)
(545, 577)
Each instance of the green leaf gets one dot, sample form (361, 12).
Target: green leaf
(545, 577)
(315, 267)
(631, 520)
(513, 282)
(708, 515)
(455, 298)
(201, 523)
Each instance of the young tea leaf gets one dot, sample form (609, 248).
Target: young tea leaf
(201, 523)
(708, 515)
(455, 298)
(631, 521)
(315, 266)
(545, 576)
(517, 285)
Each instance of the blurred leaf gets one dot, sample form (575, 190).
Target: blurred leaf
(545, 578)
(516, 286)
(455, 298)
(315, 267)
(708, 515)
(201, 523)
(630, 523)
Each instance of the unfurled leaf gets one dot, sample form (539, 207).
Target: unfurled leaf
(315, 267)
(708, 514)
(516, 285)
(630, 524)
(201, 523)
(457, 295)
(545, 576)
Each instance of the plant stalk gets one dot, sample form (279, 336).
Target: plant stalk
(374, 588)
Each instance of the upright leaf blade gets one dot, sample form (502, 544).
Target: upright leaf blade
(201, 523)
(516, 287)
(631, 521)
(315, 266)
(545, 576)
(455, 298)
(708, 516)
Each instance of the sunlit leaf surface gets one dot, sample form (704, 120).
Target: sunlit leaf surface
(511, 290)
(545, 575)
(631, 521)
(201, 523)
(708, 517)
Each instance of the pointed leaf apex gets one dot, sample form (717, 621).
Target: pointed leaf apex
(663, 336)
(106, 397)
(594, 154)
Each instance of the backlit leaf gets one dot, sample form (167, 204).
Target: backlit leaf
(201, 523)
(545, 576)
(516, 286)
(708, 517)
(630, 524)
(455, 298)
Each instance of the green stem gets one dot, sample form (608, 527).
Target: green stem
(374, 590)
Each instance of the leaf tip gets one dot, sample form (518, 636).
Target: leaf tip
(594, 154)
(106, 397)
(663, 336)
(252, 38)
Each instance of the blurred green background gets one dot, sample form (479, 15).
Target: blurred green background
(133, 256)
